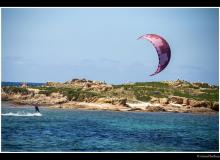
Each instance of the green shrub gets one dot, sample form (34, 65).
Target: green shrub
(13, 89)
(48, 90)
(70, 94)
(144, 98)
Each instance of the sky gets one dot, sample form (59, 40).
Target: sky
(59, 44)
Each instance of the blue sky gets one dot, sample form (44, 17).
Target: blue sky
(59, 44)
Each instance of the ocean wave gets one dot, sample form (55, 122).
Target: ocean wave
(22, 114)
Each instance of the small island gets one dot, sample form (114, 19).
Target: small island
(165, 96)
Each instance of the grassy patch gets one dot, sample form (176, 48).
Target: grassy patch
(71, 93)
(153, 84)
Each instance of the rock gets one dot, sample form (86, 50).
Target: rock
(121, 102)
(83, 84)
(185, 101)
(87, 85)
(4, 97)
(155, 109)
(200, 110)
(60, 100)
(201, 84)
(55, 98)
(73, 80)
(164, 100)
(178, 83)
(55, 84)
(207, 104)
(103, 100)
(138, 106)
(215, 106)
(199, 104)
(154, 100)
(176, 105)
(114, 101)
(176, 99)
(49, 83)
(136, 109)
(194, 103)
(34, 91)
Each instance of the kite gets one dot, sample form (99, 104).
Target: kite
(162, 48)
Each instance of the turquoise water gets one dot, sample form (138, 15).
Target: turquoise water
(95, 131)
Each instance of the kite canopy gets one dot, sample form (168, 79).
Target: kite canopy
(163, 50)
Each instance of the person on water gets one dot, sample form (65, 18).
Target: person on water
(36, 108)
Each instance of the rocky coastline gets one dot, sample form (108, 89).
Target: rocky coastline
(96, 95)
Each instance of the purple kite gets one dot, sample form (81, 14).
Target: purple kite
(163, 50)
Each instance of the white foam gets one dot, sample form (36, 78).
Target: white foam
(21, 114)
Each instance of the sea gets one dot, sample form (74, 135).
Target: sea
(72, 130)
(20, 83)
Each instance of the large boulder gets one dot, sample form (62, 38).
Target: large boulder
(114, 101)
(155, 109)
(206, 104)
(195, 103)
(192, 102)
(176, 99)
(185, 101)
(164, 100)
(121, 102)
(215, 106)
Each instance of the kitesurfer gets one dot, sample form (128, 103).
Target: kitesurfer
(36, 108)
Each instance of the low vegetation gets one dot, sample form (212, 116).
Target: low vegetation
(15, 90)
(71, 93)
(142, 91)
